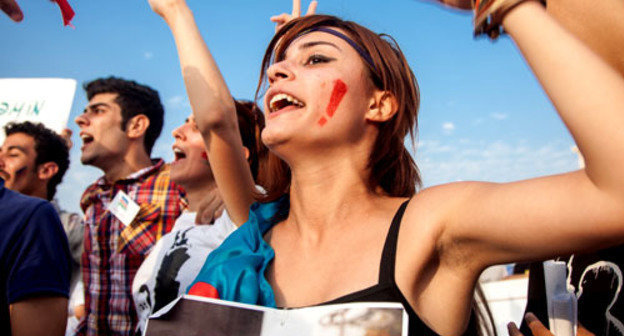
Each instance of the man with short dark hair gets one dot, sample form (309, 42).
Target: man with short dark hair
(36, 159)
(129, 208)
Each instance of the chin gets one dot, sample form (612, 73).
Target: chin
(86, 160)
(273, 138)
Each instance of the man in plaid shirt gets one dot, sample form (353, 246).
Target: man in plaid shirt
(118, 129)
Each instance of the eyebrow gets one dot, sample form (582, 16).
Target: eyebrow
(20, 148)
(95, 105)
(308, 45)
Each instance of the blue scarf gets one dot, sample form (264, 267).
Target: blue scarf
(235, 270)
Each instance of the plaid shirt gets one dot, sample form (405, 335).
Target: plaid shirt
(113, 251)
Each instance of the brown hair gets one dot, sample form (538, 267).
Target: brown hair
(250, 124)
(392, 169)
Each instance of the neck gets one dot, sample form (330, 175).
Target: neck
(196, 192)
(41, 193)
(325, 194)
(132, 161)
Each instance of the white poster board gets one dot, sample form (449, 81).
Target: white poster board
(44, 100)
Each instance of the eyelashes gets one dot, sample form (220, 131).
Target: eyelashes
(318, 59)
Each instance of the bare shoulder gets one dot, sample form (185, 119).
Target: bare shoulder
(422, 238)
(432, 208)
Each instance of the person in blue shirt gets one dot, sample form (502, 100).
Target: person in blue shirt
(35, 265)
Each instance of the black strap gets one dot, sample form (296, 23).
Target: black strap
(388, 256)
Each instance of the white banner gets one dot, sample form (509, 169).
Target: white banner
(44, 100)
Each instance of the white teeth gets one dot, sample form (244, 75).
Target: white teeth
(85, 137)
(273, 104)
(178, 150)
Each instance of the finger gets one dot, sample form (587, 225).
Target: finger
(284, 17)
(512, 329)
(219, 212)
(537, 328)
(296, 10)
(11, 8)
(312, 8)
(203, 217)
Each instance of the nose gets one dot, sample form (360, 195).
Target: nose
(178, 133)
(81, 120)
(279, 70)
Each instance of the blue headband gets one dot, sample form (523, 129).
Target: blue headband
(365, 55)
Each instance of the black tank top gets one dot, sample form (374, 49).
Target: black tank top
(386, 290)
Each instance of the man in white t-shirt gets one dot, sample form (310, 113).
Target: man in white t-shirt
(179, 255)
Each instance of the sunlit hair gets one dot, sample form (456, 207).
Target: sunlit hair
(392, 170)
(250, 125)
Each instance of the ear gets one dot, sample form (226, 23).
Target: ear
(382, 107)
(137, 126)
(47, 170)
(246, 150)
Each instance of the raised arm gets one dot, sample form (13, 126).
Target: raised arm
(213, 108)
(539, 218)
(464, 227)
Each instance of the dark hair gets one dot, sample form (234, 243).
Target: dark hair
(49, 146)
(250, 125)
(392, 169)
(134, 99)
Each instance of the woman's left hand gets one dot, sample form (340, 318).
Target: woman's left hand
(538, 329)
(284, 18)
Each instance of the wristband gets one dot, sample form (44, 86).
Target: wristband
(489, 14)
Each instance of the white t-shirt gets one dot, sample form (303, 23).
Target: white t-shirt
(175, 261)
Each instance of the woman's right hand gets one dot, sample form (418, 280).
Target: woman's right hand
(284, 18)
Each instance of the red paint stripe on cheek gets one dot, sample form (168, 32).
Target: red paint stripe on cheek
(322, 121)
(339, 91)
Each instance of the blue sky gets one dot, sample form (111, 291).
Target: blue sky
(483, 115)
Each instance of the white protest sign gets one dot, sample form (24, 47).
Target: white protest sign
(44, 100)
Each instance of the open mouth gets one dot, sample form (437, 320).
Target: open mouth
(282, 100)
(178, 154)
(86, 138)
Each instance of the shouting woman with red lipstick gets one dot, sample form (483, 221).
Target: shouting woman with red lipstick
(342, 221)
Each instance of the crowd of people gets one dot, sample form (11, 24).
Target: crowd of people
(315, 201)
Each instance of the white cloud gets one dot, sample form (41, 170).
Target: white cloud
(448, 127)
(148, 55)
(499, 161)
(499, 116)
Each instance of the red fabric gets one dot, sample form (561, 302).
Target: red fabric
(204, 290)
(66, 11)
